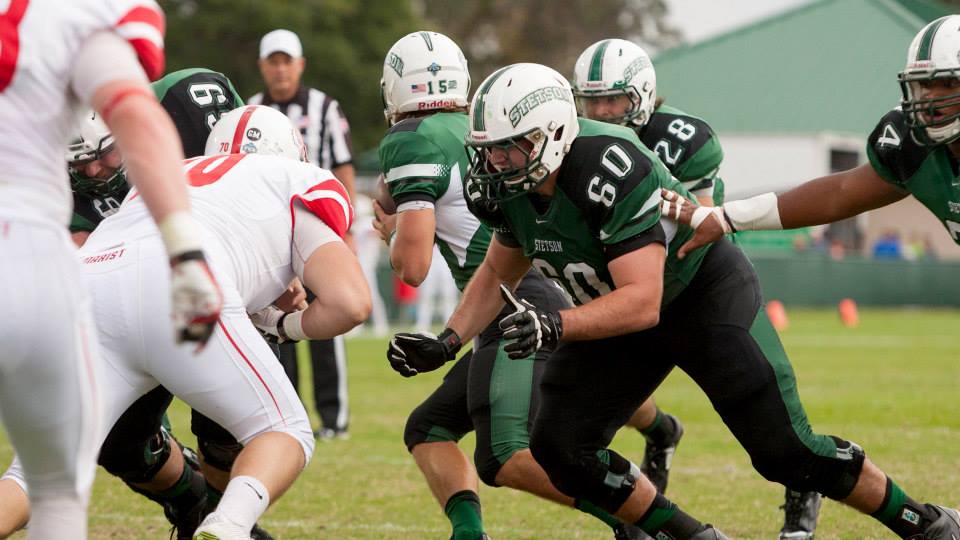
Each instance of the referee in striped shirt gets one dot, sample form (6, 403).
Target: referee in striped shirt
(326, 133)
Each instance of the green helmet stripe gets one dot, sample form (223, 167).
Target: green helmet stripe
(478, 124)
(926, 42)
(426, 37)
(596, 63)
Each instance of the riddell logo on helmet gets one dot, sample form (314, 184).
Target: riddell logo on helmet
(435, 104)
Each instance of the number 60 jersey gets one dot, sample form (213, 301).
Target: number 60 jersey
(259, 215)
(39, 45)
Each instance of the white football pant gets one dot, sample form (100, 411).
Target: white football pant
(50, 375)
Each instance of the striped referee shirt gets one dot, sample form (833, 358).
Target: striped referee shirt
(325, 129)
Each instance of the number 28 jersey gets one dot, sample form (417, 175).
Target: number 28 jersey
(245, 206)
(606, 204)
(929, 173)
(40, 40)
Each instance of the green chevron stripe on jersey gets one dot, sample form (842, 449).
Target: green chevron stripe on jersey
(596, 63)
(926, 42)
(416, 170)
(427, 39)
(480, 100)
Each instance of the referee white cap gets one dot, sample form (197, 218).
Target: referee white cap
(283, 41)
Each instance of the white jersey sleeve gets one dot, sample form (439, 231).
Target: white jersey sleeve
(40, 44)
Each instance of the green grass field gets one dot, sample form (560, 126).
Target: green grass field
(891, 385)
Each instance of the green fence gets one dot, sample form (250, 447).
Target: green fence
(819, 280)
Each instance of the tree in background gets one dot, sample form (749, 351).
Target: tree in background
(495, 33)
(345, 41)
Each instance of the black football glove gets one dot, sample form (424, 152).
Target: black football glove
(532, 328)
(410, 354)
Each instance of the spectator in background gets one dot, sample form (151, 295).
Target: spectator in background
(326, 133)
(888, 246)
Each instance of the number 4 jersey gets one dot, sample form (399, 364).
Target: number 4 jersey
(245, 204)
(929, 173)
(607, 204)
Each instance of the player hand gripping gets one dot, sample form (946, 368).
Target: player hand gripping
(196, 297)
(532, 328)
(410, 354)
(710, 223)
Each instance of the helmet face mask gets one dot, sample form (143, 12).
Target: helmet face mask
(603, 105)
(933, 119)
(930, 83)
(505, 169)
(95, 145)
(611, 68)
(523, 122)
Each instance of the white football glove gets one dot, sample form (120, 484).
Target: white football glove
(196, 297)
(267, 321)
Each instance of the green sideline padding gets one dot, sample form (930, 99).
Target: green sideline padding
(819, 281)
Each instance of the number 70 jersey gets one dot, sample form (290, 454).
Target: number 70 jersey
(39, 42)
(245, 206)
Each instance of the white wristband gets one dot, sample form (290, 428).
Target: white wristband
(293, 326)
(180, 233)
(758, 213)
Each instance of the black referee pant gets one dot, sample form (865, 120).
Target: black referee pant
(328, 362)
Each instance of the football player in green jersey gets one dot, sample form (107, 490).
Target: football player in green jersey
(425, 87)
(580, 201)
(914, 150)
(615, 81)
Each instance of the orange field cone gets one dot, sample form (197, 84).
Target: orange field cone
(778, 315)
(848, 313)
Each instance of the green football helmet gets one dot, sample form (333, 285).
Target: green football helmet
(94, 142)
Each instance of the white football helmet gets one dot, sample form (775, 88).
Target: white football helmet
(256, 129)
(423, 71)
(525, 107)
(933, 54)
(93, 142)
(615, 67)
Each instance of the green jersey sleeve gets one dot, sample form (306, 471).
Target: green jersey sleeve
(892, 151)
(414, 167)
(616, 181)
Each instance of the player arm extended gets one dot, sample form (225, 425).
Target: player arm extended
(819, 201)
(481, 300)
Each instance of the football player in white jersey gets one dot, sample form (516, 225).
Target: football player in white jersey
(58, 57)
(266, 217)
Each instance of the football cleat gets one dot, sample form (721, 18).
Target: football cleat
(946, 527)
(657, 456)
(801, 510)
(329, 434)
(629, 532)
(710, 533)
(217, 527)
(258, 533)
